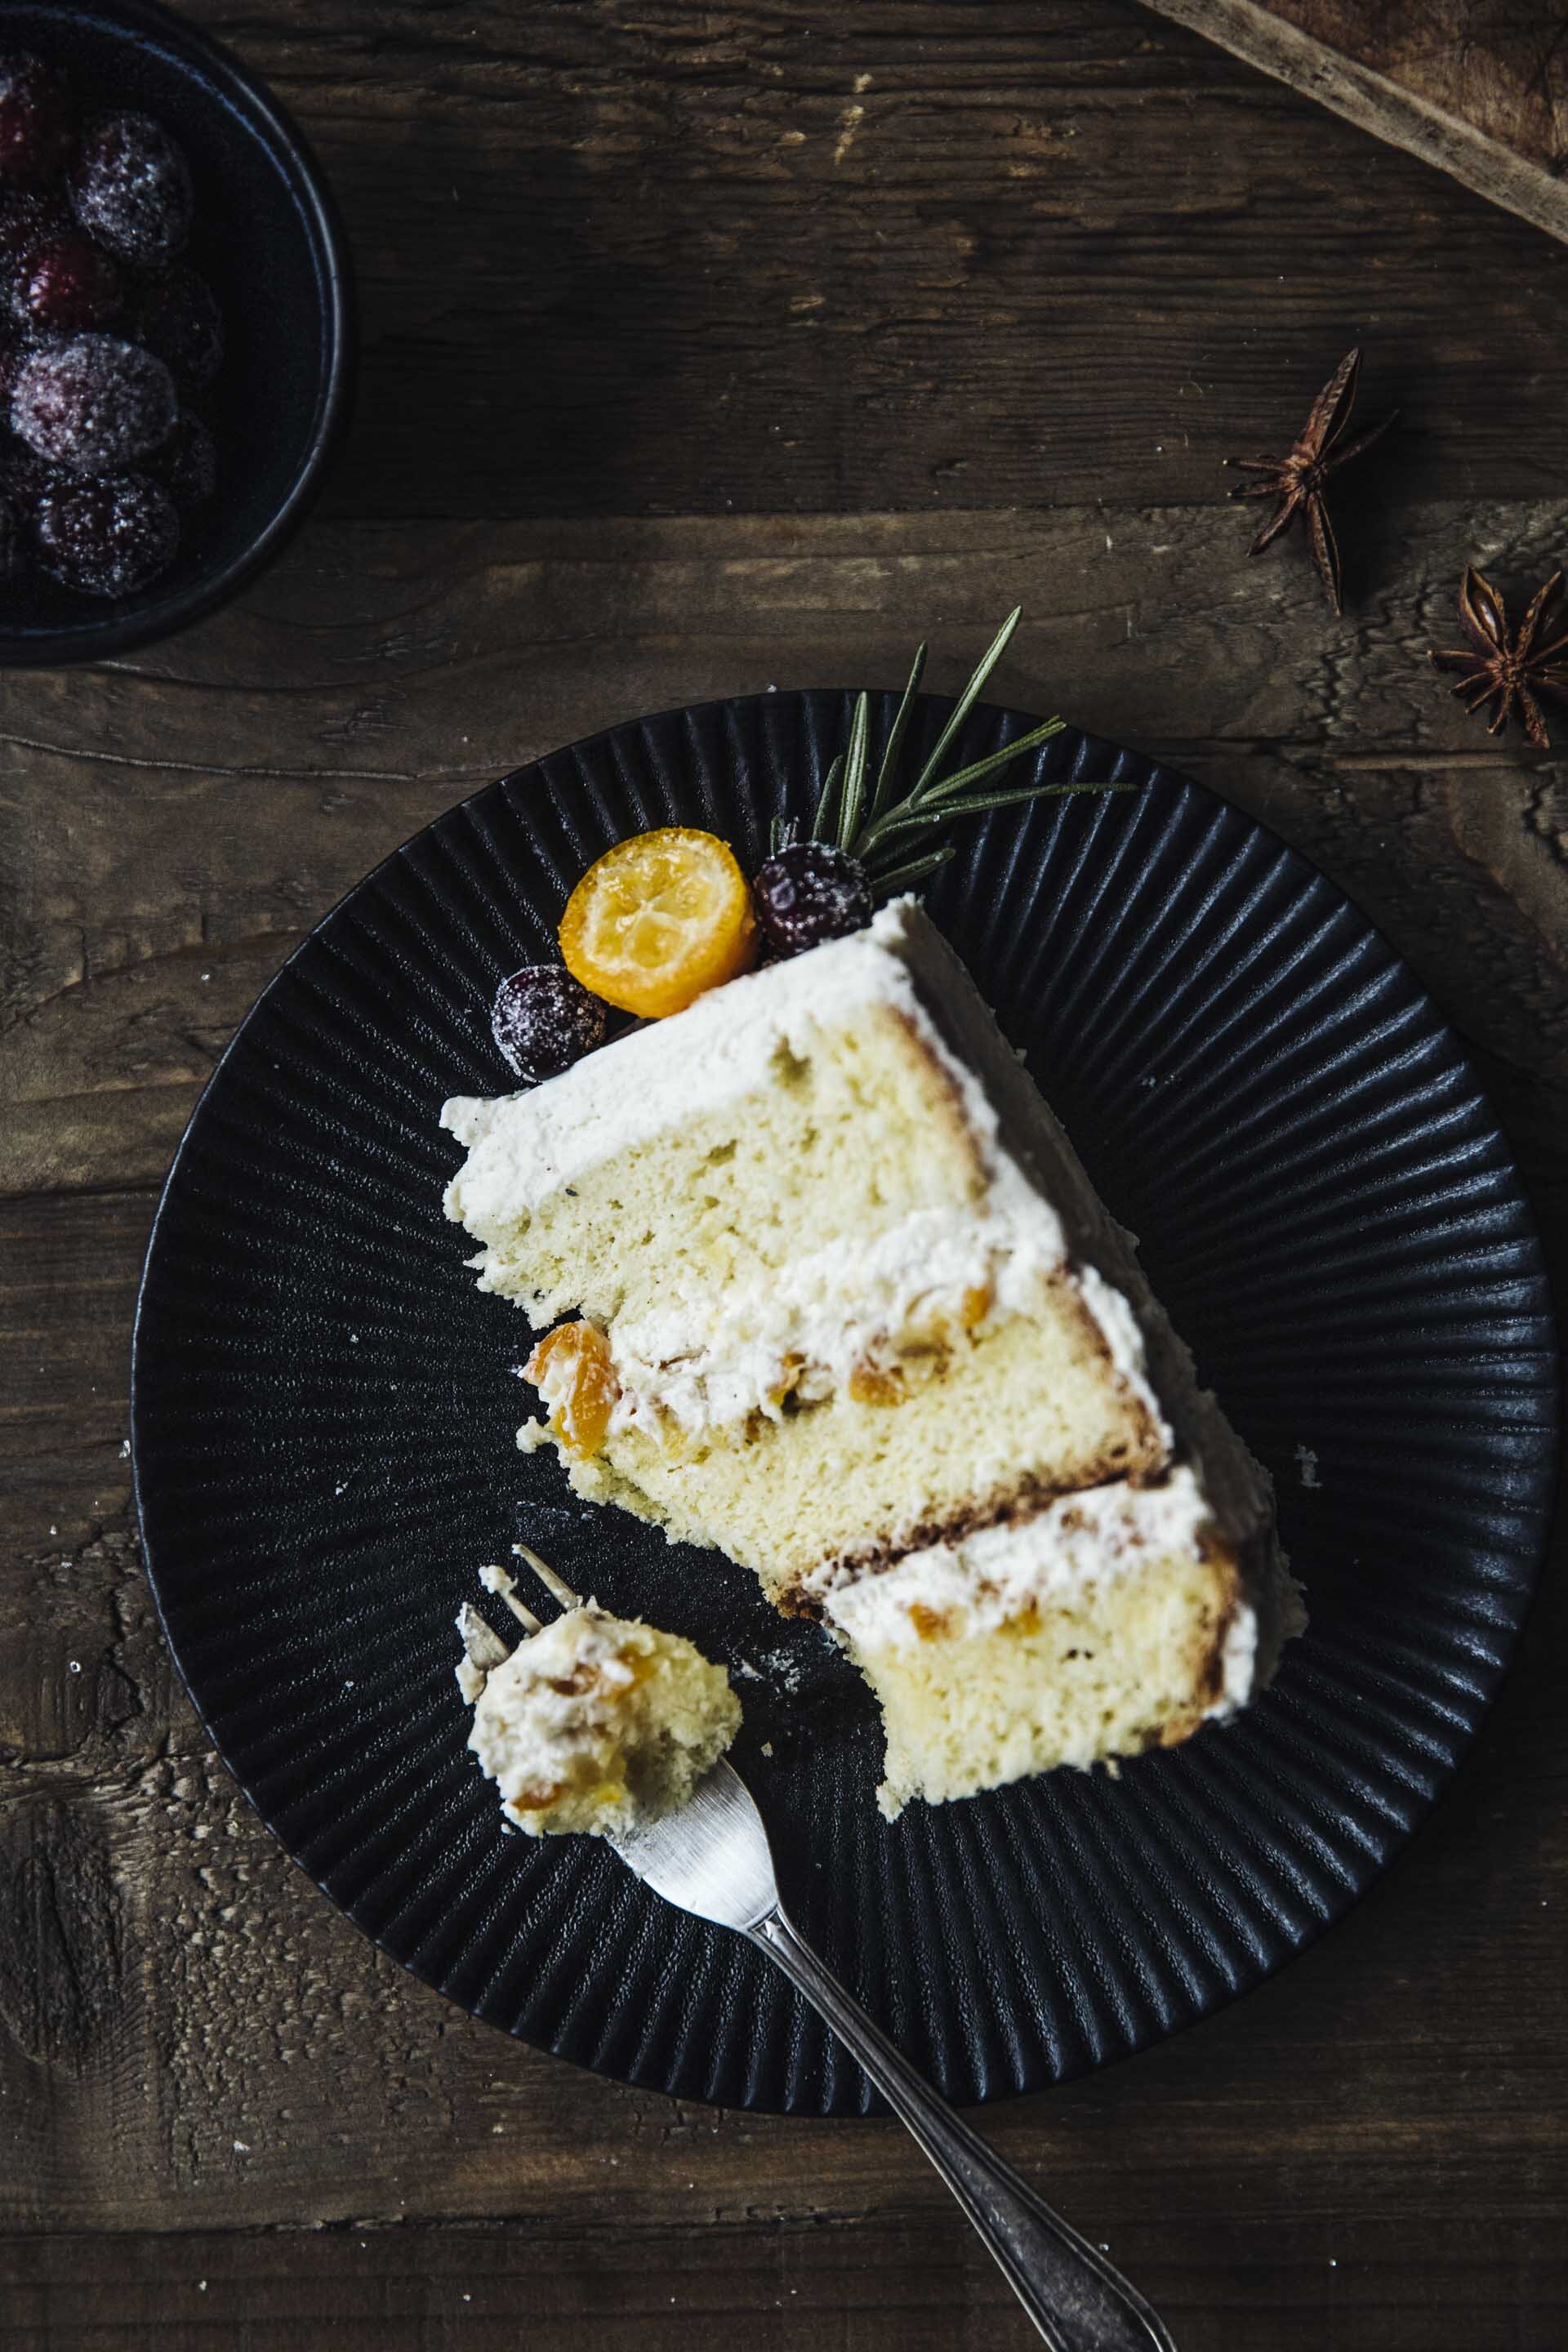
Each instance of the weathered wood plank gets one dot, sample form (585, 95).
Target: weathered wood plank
(1472, 86)
(892, 253)
(895, 2283)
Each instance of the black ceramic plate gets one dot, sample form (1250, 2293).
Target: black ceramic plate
(324, 1410)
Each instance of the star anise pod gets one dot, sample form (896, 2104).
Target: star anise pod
(1505, 672)
(1299, 480)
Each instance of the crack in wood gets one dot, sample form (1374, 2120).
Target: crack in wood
(59, 1932)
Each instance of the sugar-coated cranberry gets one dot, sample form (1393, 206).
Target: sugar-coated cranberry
(107, 536)
(543, 1020)
(38, 121)
(178, 319)
(130, 188)
(67, 285)
(93, 403)
(188, 464)
(808, 894)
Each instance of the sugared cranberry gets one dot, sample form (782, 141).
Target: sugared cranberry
(808, 894)
(188, 464)
(543, 1021)
(12, 542)
(94, 404)
(107, 538)
(67, 285)
(38, 121)
(178, 319)
(130, 188)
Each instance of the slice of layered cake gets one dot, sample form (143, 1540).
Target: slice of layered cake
(840, 1300)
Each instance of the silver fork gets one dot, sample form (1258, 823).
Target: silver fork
(711, 1858)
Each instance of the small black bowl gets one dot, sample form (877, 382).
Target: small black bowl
(267, 238)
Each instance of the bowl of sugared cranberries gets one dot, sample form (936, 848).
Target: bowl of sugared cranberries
(175, 328)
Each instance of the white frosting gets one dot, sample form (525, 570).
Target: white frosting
(549, 1714)
(708, 1359)
(524, 1147)
(1076, 1543)
(847, 1306)
(1238, 1659)
(1119, 1327)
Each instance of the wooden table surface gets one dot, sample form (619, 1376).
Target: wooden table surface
(706, 349)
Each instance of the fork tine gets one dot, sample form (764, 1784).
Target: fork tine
(556, 1586)
(497, 1581)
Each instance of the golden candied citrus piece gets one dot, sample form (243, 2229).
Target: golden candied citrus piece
(871, 1384)
(790, 1370)
(571, 1368)
(659, 919)
(928, 1623)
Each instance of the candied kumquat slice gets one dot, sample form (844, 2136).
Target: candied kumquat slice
(571, 1368)
(659, 919)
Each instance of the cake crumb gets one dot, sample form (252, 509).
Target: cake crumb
(1307, 1462)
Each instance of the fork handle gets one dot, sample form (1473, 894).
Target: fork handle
(1078, 2301)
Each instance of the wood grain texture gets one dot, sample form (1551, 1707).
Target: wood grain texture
(1476, 87)
(787, 256)
(703, 381)
(1500, 65)
(897, 2280)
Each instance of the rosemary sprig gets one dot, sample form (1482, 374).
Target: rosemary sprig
(884, 831)
(886, 774)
